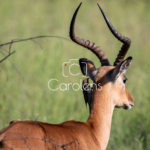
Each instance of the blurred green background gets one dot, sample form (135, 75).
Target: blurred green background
(29, 91)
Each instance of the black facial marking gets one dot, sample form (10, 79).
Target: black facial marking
(124, 79)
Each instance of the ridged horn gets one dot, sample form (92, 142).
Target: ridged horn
(87, 44)
(126, 41)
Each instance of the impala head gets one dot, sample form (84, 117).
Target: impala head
(111, 78)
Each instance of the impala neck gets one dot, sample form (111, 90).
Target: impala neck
(101, 115)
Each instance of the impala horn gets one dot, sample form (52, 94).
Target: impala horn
(87, 44)
(126, 41)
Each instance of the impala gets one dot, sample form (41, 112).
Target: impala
(90, 135)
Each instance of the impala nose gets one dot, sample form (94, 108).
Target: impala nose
(128, 106)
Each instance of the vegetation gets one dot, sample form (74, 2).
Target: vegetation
(28, 90)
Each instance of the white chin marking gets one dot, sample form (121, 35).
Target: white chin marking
(129, 107)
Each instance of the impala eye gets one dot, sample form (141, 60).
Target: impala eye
(124, 80)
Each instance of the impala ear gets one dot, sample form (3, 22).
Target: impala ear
(84, 65)
(121, 68)
(88, 68)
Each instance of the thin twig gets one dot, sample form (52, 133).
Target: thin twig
(7, 56)
(27, 39)
(37, 43)
(20, 40)
(10, 46)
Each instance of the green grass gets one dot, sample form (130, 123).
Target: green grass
(23, 19)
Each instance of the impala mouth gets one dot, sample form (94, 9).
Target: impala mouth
(125, 106)
(118, 106)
